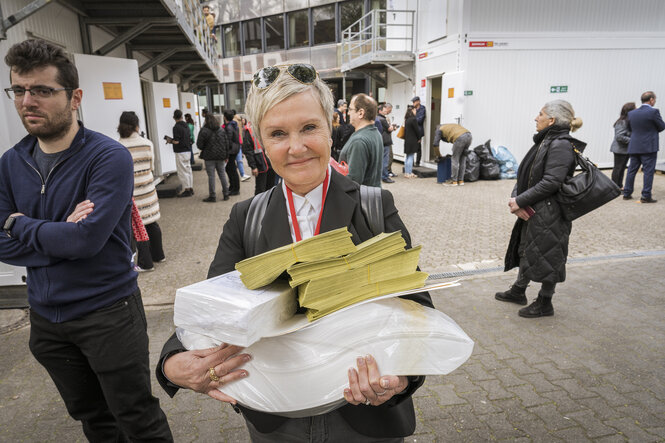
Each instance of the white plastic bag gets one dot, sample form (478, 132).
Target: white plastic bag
(304, 372)
(223, 308)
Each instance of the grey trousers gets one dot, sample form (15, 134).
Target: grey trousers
(326, 428)
(458, 160)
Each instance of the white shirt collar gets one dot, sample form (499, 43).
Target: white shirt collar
(307, 207)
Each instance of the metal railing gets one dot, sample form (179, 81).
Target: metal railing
(193, 13)
(378, 30)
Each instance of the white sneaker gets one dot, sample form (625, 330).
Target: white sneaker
(140, 269)
(245, 178)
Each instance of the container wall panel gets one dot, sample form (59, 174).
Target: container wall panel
(510, 87)
(566, 15)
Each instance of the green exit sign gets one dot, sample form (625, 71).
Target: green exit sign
(558, 89)
(468, 92)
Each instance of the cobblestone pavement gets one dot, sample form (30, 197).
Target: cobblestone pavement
(593, 371)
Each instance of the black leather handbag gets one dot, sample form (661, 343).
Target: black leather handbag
(586, 191)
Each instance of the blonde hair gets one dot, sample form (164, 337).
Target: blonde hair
(260, 101)
(563, 114)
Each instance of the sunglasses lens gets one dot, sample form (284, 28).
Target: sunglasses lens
(265, 77)
(303, 73)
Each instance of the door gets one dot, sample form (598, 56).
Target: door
(452, 91)
(435, 116)
(401, 94)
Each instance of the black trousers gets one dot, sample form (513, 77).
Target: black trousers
(419, 154)
(620, 162)
(232, 172)
(152, 250)
(264, 181)
(99, 363)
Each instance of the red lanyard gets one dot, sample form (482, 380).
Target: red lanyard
(292, 209)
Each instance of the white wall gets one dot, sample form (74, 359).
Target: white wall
(565, 15)
(102, 114)
(510, 86)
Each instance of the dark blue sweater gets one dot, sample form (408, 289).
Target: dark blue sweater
(73, 268)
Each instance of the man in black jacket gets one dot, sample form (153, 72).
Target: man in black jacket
(182, 144)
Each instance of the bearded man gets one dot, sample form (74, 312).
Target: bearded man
(65, 205)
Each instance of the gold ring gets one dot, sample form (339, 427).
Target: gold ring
(213, 376)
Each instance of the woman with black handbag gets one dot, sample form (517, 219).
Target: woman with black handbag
(539, 241)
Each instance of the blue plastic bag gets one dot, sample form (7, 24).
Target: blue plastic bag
(507, 162)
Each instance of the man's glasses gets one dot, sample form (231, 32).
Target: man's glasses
(38, 92)
(304, 73)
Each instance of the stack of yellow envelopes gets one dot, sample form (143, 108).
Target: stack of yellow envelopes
(385, 276)
(379, 247)
(263, 269)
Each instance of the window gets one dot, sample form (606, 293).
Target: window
(231, 40)
(274, 32)
(218, 40)
(236, 96)
(324, 24)
(251, 32)
(350, 12)
(298, 29)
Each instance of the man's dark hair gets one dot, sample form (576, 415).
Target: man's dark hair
(366, 103)
(177, 114)
(647, 96)
(32, 54)
(228, 115)
(129, 121)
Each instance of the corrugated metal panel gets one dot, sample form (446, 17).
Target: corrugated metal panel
(510, 87)
(566, 15)
(53, 22)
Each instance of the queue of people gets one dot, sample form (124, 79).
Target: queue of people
(88, 325)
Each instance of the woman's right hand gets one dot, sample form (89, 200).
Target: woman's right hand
(192, 369)
(521, 213)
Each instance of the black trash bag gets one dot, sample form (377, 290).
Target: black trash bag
(472, 169)
(490, 168)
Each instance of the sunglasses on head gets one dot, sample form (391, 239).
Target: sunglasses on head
(302, 72)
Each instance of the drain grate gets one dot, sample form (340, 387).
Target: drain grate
(634, 254)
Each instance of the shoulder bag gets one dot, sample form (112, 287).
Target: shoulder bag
(586, 191)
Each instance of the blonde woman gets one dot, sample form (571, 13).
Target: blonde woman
(291, 109)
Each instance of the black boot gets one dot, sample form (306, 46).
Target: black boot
(542, 307)
(513, 295)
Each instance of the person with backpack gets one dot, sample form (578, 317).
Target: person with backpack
(233, 134)
(257, 159)
(214, 146)
(291, 111)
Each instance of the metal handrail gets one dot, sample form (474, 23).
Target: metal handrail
(193, 13)
(370, 33)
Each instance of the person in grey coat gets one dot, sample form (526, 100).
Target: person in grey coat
(620, 144)
(539, 241)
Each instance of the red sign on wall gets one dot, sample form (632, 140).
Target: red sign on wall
(422, 55)
(481, 44)
(423, 83)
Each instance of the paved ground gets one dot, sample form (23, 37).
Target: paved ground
(594, 371)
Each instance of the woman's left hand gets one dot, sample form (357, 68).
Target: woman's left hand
(512, 204)
(367, 386)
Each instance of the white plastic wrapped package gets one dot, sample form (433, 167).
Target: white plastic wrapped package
(222, 307)
(304, 372)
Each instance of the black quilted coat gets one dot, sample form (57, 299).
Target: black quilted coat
(214, 145)
(541, 243)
